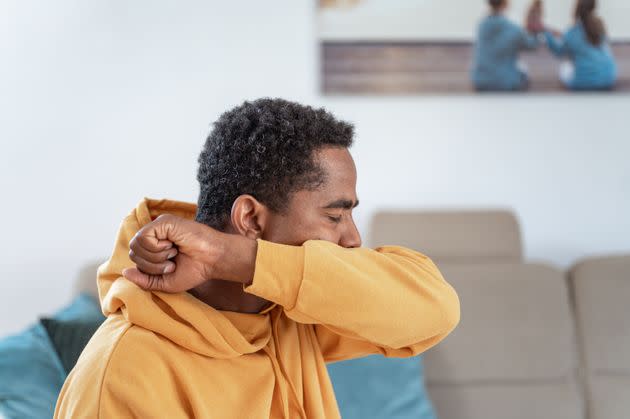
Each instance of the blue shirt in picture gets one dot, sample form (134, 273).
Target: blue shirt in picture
(499, 42)
(594, 65)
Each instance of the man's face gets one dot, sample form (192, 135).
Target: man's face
(324, 213)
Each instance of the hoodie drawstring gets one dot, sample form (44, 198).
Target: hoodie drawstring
(279, 371)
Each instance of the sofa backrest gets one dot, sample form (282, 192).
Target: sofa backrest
(85, 281)
(601, 288)
(452, 236)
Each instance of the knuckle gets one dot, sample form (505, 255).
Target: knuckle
(165, 218)
(137, 243)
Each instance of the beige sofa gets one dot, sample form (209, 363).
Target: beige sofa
(523, 348)
(534, 342)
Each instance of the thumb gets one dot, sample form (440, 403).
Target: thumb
(144, 281)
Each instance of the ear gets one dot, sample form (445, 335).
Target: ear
(249, 216)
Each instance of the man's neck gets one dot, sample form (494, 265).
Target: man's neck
(229, 296)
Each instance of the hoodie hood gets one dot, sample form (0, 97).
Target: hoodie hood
(180, 318)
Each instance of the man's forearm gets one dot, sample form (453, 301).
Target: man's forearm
(392, 297)
(238, 259)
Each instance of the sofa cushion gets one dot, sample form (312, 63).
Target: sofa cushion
(516, 326)
(608, 396)
(69, 337)
(601, 287)
(31, 372)
(552, 399)
(602, 301)
(31, 375)
(379, 387)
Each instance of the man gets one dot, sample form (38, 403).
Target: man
(277, 283)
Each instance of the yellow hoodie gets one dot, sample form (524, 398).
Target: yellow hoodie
(172, 356)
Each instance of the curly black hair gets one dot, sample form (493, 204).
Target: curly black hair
(264, 148)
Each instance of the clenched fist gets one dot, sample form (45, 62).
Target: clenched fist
(175, 254)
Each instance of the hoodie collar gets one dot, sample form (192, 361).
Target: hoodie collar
(180, 318)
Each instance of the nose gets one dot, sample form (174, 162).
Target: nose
(351, 237)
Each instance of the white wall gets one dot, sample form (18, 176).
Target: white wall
(102, 103)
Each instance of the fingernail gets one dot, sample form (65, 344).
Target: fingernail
(172, 254)
(169, 268)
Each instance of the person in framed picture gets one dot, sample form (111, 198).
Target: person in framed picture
(499, 42)
(591, 64)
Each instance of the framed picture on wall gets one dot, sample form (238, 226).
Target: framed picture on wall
(415, 47)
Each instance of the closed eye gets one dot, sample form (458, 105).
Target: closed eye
(334, 219)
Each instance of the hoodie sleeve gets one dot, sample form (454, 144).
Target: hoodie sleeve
(557, 46)
(390, 300)
(513, 36)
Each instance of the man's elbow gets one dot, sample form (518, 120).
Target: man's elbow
(441, 316)
(439, 321)
(445, 304)
(451, 311)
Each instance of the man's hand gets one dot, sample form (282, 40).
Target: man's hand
(174, 254)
